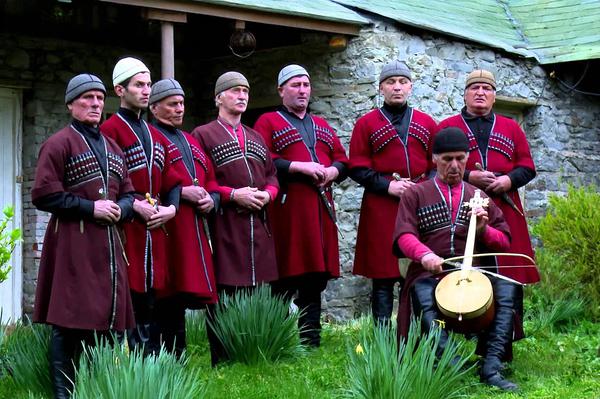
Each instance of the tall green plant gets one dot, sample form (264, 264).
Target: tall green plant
(8, 241)
(109, 372)
(27, 357)
(255, 327)
(381, 368)
(570, 235)
(195, 328)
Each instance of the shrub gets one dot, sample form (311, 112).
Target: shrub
(380, 368)
(570, 235)
(255, 326)
(109, 372)
(8, 241)
(27, 357)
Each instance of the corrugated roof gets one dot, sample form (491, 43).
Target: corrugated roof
(549, 30)
(317, 9)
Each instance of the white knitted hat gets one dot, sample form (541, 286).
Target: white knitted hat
(126, 68)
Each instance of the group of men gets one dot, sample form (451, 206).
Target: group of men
(148, 220)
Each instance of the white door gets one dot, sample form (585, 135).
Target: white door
(11, 290)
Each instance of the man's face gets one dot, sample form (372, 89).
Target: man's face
(295, 93)
(396, 90)
(137, 93)
(169, 110)
(450, 166)
(234, 101)
(480, 98)
(88, 107)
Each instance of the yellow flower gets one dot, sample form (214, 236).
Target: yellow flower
(359, 349)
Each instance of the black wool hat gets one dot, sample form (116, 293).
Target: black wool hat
(450, 139)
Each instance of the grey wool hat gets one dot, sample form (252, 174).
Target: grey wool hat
(394, 68)
(289, 72)
(165, 88)
(82, 83)
(230, 79)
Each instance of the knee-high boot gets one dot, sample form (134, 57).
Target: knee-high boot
(499, 336)
(309, 322)
(382, 300)
(62, 369)
(423, 300)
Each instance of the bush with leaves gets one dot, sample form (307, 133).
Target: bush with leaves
(8, 241)
(112, 372)
(570, 236)
(381, 368)
(254, 326)
(26, 351)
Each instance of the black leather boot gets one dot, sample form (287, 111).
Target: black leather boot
(499, 336)
(423, 301)
(309, 323)
(382, 300)
(62, 369)
(217, 350)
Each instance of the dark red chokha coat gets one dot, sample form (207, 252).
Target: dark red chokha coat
(244, 254)
(157, 177)
(375, 144)
(82, 282)
(305, 235)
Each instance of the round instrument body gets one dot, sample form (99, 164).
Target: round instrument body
(466, 299)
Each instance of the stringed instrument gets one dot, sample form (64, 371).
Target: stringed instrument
(465, 297)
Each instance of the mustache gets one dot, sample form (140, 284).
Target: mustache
(243, 102)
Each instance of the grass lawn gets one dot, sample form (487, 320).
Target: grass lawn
(548, 365)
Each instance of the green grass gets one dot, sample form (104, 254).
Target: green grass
(549, 365)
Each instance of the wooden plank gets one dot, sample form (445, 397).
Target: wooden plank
(293, 21)
(164, 15)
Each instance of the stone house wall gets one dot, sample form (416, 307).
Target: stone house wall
(562, 128)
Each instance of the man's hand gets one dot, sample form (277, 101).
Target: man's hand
(398, 187)
(432, 263)
(162, 216)
(263, 197)
(481, 179)
(143, 209)
(312, 169)
(331, 173)
(482, 219)
(106, 211)
(501, 185)
(206, 204)
(193, 194)
(246, 198)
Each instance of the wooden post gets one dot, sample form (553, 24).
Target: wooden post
(167, 50)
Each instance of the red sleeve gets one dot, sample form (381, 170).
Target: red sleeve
(522, 152)
(272, 190)
(170, 176)
(412, 248)
(433, 128)
(360, 149)
(494, 239)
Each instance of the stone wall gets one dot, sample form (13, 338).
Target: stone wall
(562, 128)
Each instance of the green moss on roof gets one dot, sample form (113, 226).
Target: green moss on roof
(549, 30)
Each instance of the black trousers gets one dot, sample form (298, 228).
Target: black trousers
(168, 327)
(143, 336)
(382, 299)
(307, 288)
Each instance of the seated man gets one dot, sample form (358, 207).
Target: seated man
(432, 224)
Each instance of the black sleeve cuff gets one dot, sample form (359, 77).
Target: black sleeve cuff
(217, 200)
(173, 197)
(342, 171)
(126, 205)
(371, 180)
(466, 175)
(520, 176)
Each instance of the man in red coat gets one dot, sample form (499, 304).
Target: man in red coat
(81, 179)
(432, 224)
(390, 150)
(149, 159)
(309, 158)
(499, 162)
(190, 279)
(242, 241)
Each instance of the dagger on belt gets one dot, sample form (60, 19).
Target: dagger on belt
(329, 208)
(113, 227)
(504, 195)
(153, 202)
(204, 221)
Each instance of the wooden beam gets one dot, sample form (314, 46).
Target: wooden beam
(515, 102)
(167, 56)
(244, 14)
(164, 15)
